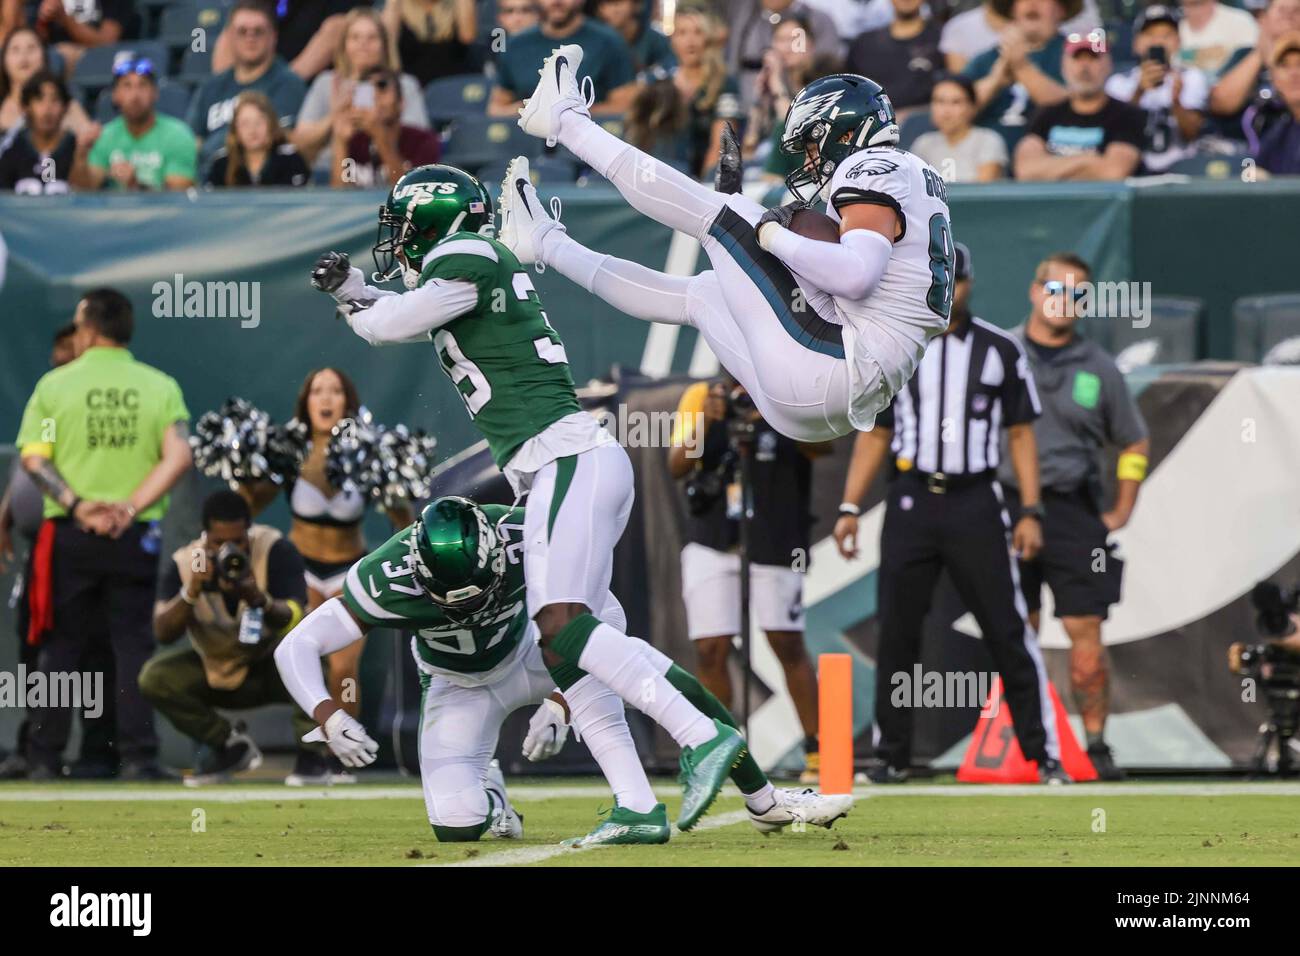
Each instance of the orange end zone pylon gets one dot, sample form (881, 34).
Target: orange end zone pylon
(835, 721)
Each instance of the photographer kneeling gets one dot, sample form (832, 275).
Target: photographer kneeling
(236, 590)
(781, 476)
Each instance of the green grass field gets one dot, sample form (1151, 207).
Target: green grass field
(1209, 824)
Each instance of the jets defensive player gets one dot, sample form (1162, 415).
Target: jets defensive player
(816, 369)
(455, 577)
(469, 296)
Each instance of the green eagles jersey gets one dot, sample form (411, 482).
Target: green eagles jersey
(504, 358)
(382, 591)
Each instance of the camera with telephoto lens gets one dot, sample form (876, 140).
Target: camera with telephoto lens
(1276, 671)
(707, 485)
(232, 562)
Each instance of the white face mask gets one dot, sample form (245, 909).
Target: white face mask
(410, 278)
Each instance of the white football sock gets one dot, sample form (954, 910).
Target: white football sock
(598, 719)
(631, 288)
(763, 799)
(618, 662)
(651, 187)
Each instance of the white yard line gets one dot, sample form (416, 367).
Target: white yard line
(527, 793)
(536, 854)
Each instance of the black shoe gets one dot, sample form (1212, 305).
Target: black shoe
(1052, 773)
(14, 767)
(239, 753)
(92, 770)
(1104, 763)
(146, 771)
(730, 166)
(311, 769)
(884, 773)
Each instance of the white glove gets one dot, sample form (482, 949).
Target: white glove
(347, 738)
(547, 730)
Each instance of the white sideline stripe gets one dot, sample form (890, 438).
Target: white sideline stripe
(536, 854)
(523, 793)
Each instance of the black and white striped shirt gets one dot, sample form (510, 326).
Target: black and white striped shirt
(971, 383)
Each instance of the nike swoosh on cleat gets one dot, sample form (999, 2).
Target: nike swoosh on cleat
(523, 193)
(560, 61)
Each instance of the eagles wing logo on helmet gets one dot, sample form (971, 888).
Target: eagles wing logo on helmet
(805, 111)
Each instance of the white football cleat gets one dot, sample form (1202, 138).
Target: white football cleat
(506, 824)
(805, 807)
(556, 92)
(524, 220)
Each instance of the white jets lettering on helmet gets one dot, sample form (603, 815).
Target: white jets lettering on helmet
(487, 538)
(421, 193)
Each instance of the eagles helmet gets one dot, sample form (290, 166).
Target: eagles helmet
(457, 557)
(840, 114)
(424, 206)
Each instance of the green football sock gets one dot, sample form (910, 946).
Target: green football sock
(747, 775)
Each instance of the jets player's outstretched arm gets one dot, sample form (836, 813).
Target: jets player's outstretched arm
(325, 630)
(850, 268)
(384, 318)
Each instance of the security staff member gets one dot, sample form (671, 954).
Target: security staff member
(1085, 405)
(945, 509)
(236, 591)
(104, 437)
(781, 476)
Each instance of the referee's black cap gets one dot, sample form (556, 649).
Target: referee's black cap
(963, 268)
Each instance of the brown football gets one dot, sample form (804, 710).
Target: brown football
(815, 225)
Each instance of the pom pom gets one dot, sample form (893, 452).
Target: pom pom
(238, 443)
(389, 466)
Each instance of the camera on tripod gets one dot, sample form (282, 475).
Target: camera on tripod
(1276, 670)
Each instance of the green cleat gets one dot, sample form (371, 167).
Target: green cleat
(704, 770)
(623, 827)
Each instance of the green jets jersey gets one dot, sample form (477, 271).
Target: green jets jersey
(504, 358)
(381, 590)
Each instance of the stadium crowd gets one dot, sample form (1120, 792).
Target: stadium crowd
(169, 94)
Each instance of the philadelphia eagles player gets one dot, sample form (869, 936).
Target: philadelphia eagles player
(469, 296)
(456, 578)
(821, 334)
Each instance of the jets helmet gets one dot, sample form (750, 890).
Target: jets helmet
(839, 114)
(457, 556)
(424, 206)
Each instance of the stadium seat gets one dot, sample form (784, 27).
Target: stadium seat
(1209, 165)
(553, 169)
(95, 68)
(1266, 328)
(453, 97)
(474, 142)
(180, 20)
(912, 127)
(196, 66)
(1172, 337)
(173, 100)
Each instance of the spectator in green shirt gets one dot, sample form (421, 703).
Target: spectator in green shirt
(257, 67)
(649, 47)
(1023, 72)
(141, 148)
(104, 438)
(605, 58)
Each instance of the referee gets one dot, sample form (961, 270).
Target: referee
(1085, 405)
(944, 509)
(104, 438)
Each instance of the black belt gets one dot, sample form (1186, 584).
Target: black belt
(938, 483)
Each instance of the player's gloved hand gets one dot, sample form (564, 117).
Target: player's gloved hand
(548, 728)
(330, 272)
(347, 739)
(780, 216)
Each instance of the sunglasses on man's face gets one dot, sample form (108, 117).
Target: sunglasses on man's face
(140, 67)
(1056, 287)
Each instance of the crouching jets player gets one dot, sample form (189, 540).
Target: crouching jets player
(455, 577)
(817, 369)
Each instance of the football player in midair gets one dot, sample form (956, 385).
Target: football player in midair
(456, 579)
(469, 296)
(816, 369)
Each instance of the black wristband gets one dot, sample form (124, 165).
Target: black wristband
(1033, 511)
